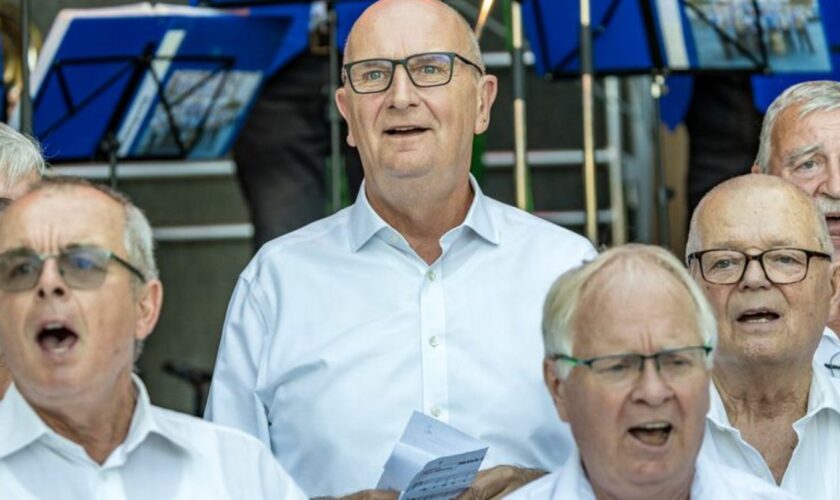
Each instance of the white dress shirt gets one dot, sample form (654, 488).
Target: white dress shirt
(814, 469)
(712, 481)
(165, 456)
(828, 348)
(338, 331)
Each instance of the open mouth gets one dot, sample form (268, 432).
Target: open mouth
(407, 131)
(653, 433)
(758, 316)
(833, 222)
(56, 338)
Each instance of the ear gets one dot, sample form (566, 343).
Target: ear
(341, 103)
(834, 305)
(556, 387)
(755, 169)
(488, 86)
(149, 304)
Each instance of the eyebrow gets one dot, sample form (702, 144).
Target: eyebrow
(737, 245)
(798, 153)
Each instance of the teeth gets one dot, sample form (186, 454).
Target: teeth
(53, 326)
(654, 426)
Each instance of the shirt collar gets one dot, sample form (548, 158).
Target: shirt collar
(20, 425)
(365, 222)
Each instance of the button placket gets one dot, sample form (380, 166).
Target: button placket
(433, 345)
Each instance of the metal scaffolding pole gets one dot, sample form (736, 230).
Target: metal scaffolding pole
(587, 80)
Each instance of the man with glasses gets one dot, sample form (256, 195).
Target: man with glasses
(800, 142)
(424, 295)
(78, 293)
(761, 252)
(629, 340)
(21, 165)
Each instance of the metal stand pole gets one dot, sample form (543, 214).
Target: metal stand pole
(519, 126)
(26, 125)
(586, 80)
(663, 192)
(335, 120)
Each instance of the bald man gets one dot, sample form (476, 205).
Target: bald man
(423, 295)
(761, 252)
(21, 165)
(800, 142)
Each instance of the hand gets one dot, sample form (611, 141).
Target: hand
(499, 481)
(373, 495)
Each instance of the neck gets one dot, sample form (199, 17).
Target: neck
(99, 426)
(751, 393)
(423, 217)
(834, 324)
(5, 378)
(671, 491)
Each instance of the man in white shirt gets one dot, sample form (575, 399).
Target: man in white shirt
(800, 142)
(761, 251)
(424, 295)
(78, 294)
(21, 165)
(628, 342)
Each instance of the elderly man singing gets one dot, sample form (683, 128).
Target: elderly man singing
(761, 251)
(629, 341)
(21, 165)
(800, 142)
(78, 294)
(424, 295)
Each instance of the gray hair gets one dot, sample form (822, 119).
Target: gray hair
(19, 155)
(137, 232)
(809, 97)
(563, 300)
(474, 54)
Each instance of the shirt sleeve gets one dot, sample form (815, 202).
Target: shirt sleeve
(233, 400)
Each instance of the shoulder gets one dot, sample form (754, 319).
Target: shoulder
(324, 235)
(540, 489)
(520, 226)
(197, 434)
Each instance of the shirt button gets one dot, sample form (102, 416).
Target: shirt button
(431, 275)
(433, 341)
(435, 412)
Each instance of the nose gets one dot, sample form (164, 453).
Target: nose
(651, 389)
(831, 186)
(403, 93)
(51, 282)
(754, 276)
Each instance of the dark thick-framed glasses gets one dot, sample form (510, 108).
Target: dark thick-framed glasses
(780, 265)
(625, 369)
(429, 69)
(81, 267)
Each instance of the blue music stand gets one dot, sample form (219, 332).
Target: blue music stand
(143, 85)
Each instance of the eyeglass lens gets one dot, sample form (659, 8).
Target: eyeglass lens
(625, 368)
(81, 268)
(784, 265)
(425, 70)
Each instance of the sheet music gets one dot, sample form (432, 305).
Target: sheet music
(432, 460)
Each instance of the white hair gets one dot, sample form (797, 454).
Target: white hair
(809, 97)
(20, 156)
(563, 300)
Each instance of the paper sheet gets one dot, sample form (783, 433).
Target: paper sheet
(432, 460)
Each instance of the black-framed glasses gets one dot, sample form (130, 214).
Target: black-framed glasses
(429, 69)
(81, 267)
(624, 369)
(782, 266)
